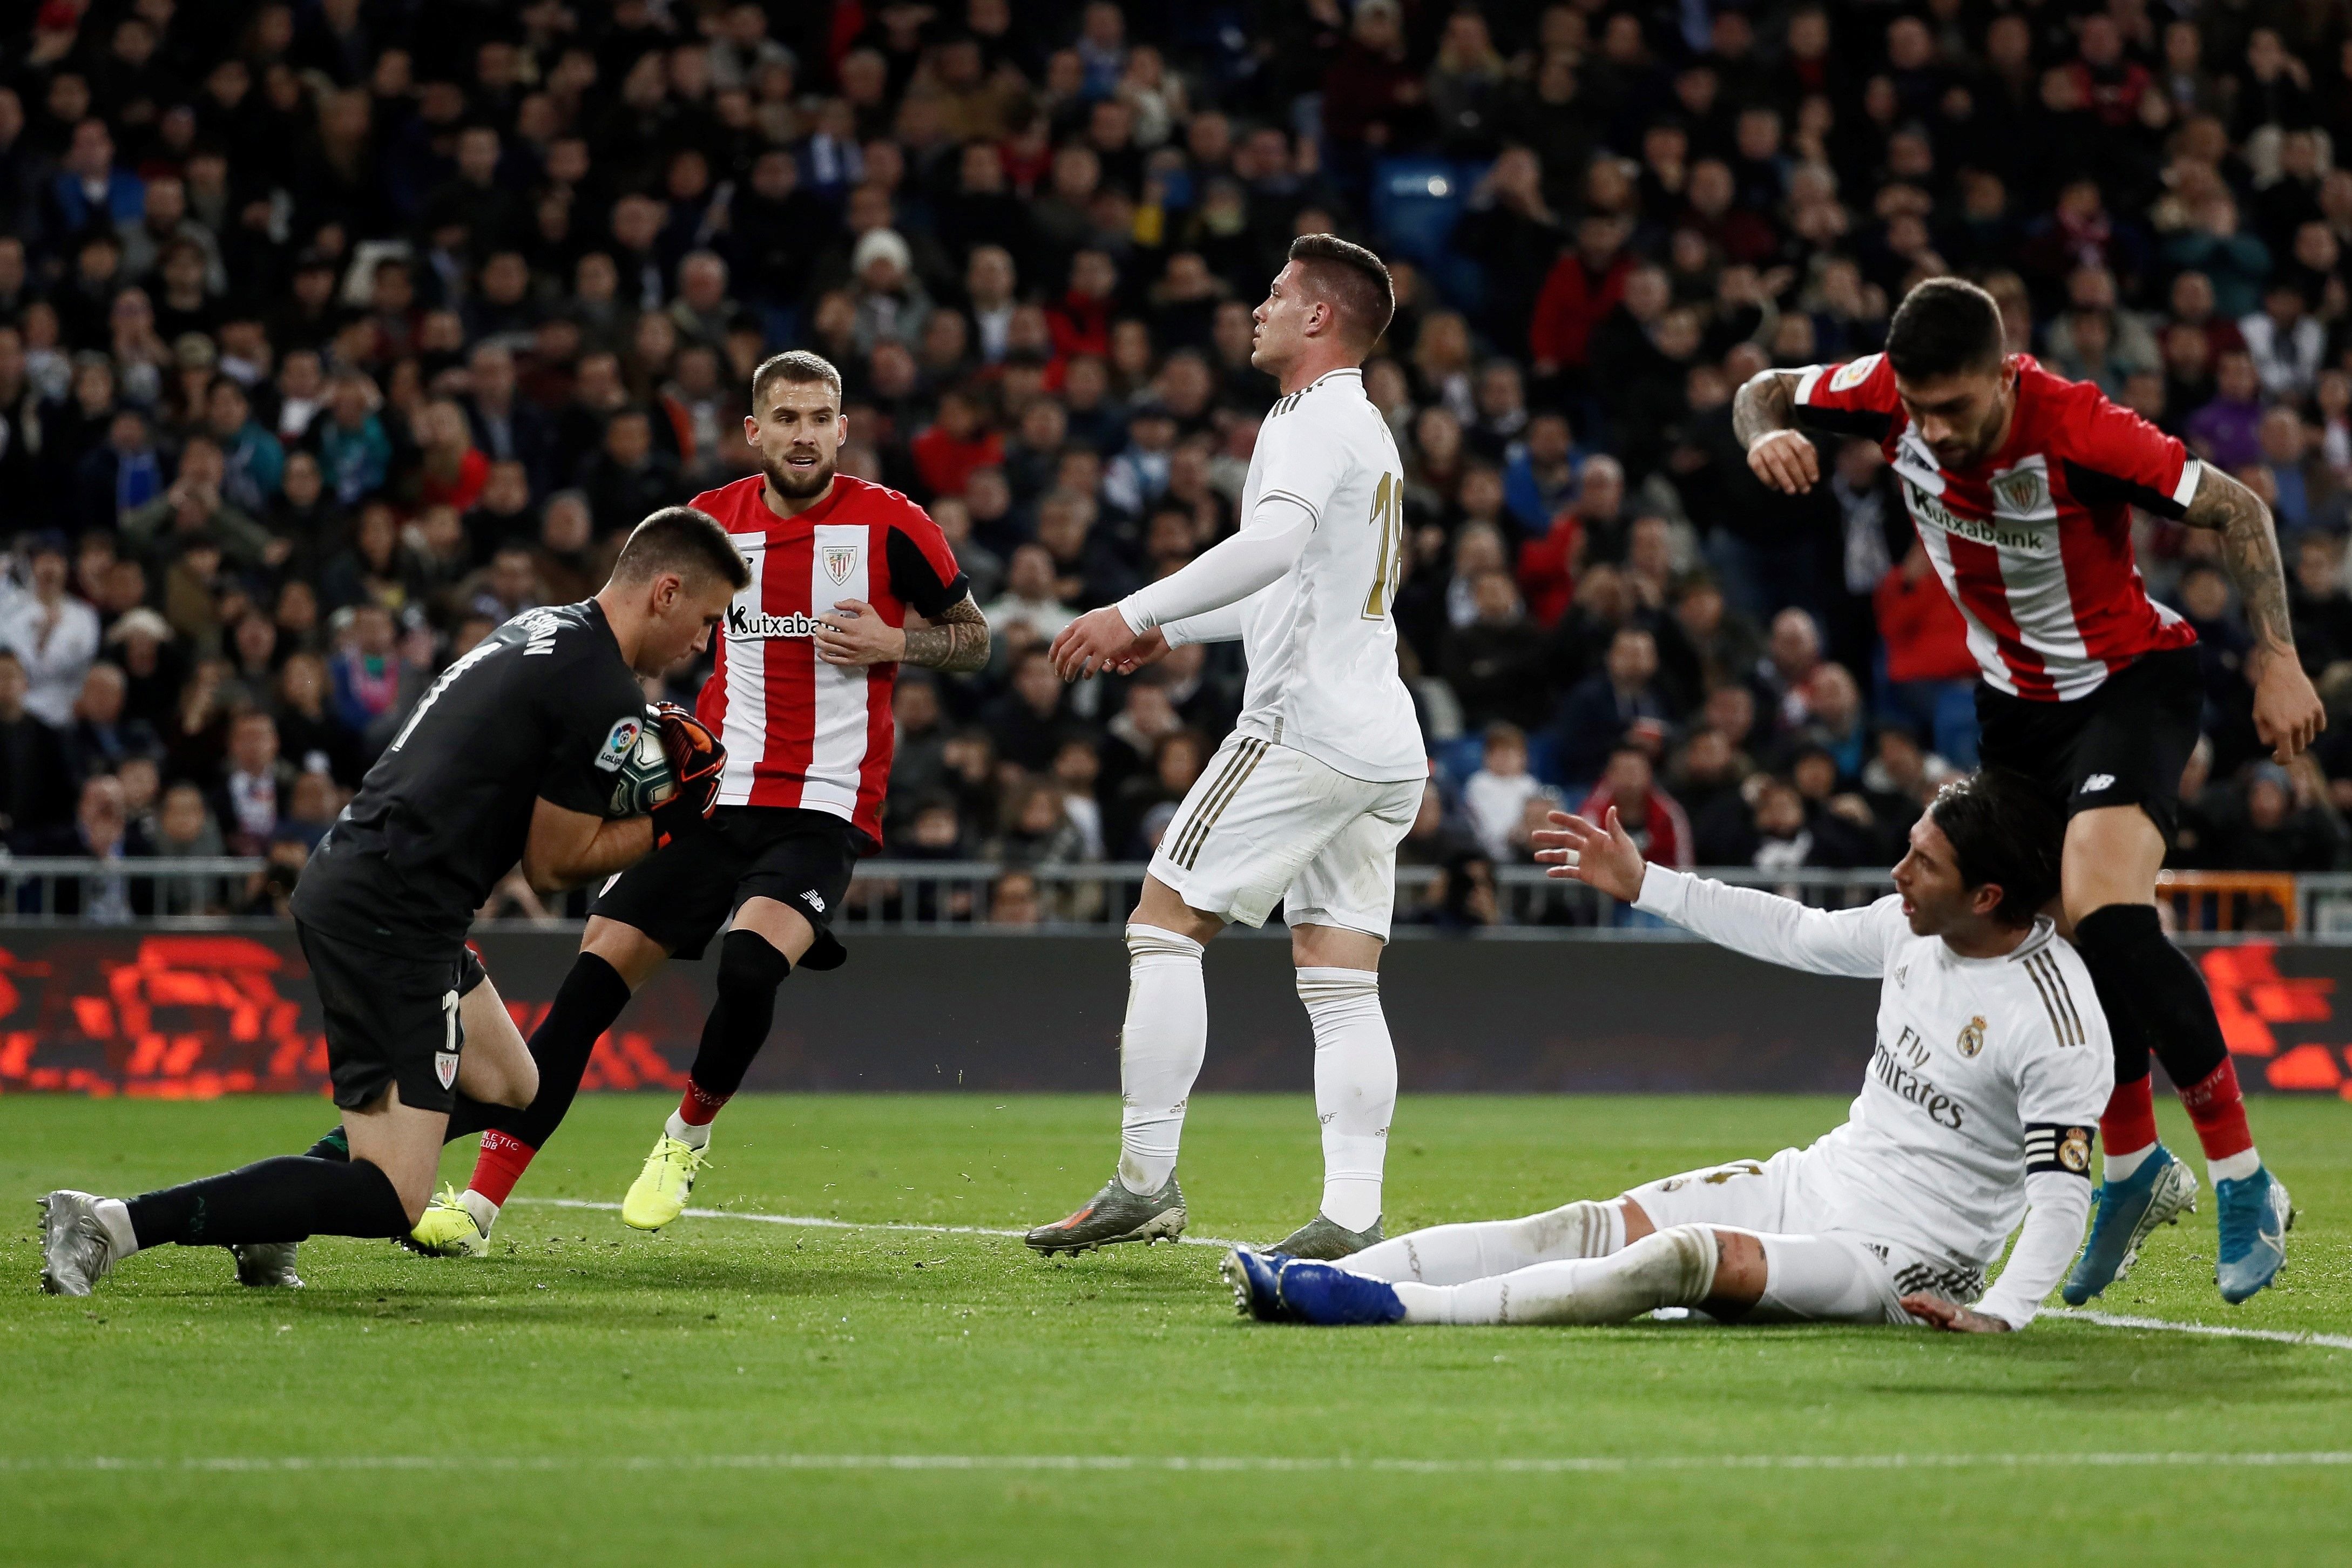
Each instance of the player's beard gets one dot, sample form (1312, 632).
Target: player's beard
(798, 484)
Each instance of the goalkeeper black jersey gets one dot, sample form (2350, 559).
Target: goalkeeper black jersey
(545, 707)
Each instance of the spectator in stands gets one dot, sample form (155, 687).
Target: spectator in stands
(1030, 599)
(1623, 699)
(36, 793)
(1930, 675)
(256, 786)
(53, 635)
(102, 738)
(100, 833)
(1494, 798)
(1495, 664)
(2282, 821)
(1652, 816)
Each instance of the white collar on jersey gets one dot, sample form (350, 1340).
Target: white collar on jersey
(1356, 371)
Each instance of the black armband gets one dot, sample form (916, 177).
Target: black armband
(2055, 1146)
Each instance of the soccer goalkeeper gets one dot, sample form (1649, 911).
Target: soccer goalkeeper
(1979, 1108)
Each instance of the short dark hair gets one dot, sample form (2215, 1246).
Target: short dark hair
(681, 539)
(2006, 832)
(1944, 326)
(1351, 279)
(796, 365)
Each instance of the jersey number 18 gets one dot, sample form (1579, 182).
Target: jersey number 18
(1388, 516)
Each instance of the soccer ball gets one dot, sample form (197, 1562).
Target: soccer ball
(645, 779)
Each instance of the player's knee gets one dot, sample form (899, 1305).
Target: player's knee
(516, 1084)
(749, 969)
(1580, 1229)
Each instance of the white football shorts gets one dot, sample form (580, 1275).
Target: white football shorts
(1814, 1273)
(1265, 825)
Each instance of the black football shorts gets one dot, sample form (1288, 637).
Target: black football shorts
(684, 894)
(391, 1018)
(2125, 745)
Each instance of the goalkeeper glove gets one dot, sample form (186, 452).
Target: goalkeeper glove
(698, 757)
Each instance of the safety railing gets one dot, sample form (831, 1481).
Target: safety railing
(892, 894)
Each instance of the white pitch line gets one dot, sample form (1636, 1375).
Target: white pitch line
(2100, 1320)
(813, 1222)
(2216, 1331)
(1210, 1462)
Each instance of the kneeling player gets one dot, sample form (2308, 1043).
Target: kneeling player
(1980, 1107)
(525, 751)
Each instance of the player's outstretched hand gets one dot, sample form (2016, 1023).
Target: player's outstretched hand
(1786, 462)
(1149, 648)
(854, 633)
(1096, 640)
(1951, 1317)
(1600, 855)
(2288, 713)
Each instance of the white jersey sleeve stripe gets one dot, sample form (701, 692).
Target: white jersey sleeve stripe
(2191, 473)
(1807, 381)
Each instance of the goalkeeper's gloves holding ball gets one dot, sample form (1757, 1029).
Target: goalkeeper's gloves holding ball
(697, 757)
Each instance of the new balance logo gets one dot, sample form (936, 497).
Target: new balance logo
(2097, 782)
(816, 899)
(744, 623)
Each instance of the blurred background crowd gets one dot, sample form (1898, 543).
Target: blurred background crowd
(335, 332)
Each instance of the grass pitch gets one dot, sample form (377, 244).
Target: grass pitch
(734, 1391)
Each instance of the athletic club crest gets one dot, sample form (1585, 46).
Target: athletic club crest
(2022, 491)
(445, 1067)
(1972, 1037)
(840, 561)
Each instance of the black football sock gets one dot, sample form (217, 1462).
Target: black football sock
(2155, 999)
(589, 999)
(335, 1145)
(285, 1199)
(749, 970)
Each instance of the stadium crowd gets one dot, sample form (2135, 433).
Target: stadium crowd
(333, 333)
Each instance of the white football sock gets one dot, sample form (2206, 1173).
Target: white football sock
(1455, 1254)
(122, 1241)
(1355, 1088)
(1160, 1048)
(485, 1213)
(687, 1132)
(2235, 1167)
(1671, 1268)
(2119, 1167)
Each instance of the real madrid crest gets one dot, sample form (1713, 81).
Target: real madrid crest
(2022, 491)
(1972, 1037)
(2074, 1149)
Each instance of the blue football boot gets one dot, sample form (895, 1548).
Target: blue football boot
(2159, 1193)
(2256, 1215)
(1314, 1292)
(1256, 1280)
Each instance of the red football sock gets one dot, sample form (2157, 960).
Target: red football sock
(2129, 1124)
(697, 1106)
(2218, 1112)
(499, 1165)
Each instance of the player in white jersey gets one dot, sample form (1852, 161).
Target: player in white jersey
(1979, 1108)
(1308, 799)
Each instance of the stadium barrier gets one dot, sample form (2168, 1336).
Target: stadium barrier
(926, 895)
(184, 1011)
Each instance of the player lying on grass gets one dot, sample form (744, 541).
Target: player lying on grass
(1979, 1107)
(525, 751)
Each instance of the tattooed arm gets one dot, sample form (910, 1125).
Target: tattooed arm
(957, 645)
(1764, 417)
(854, 633)
(2288, 713)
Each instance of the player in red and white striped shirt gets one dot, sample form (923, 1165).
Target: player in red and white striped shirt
(2022, 485)
(807, 659)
